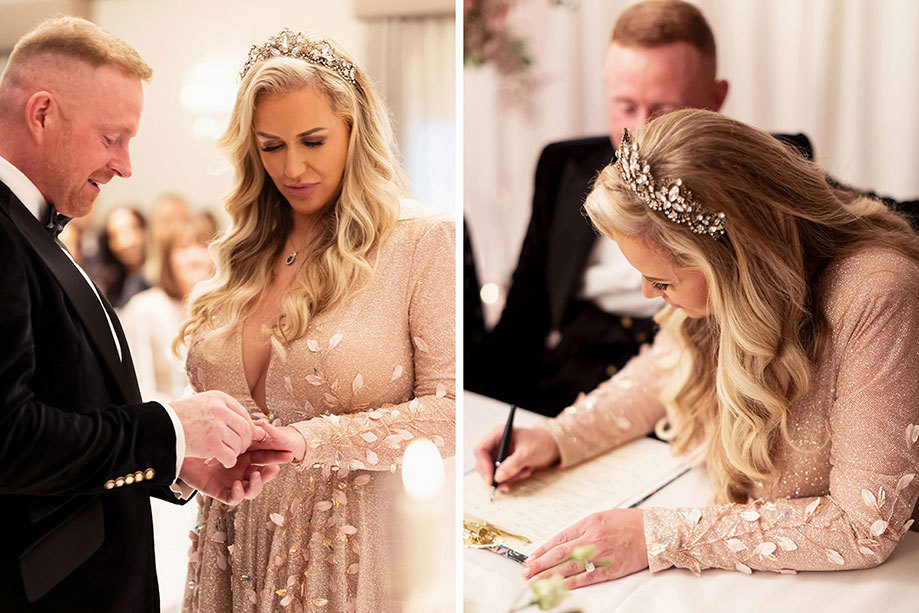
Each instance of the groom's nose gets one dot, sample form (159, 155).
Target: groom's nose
(120, 163)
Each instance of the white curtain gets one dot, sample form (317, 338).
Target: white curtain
(413, 62)
(844, 72)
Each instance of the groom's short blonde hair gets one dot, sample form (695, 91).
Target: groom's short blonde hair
(77, 39)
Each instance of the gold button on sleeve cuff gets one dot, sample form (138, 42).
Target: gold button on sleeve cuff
(138, 476)
(109, 484)
(129, 479)
(149, 473)
(119, 482)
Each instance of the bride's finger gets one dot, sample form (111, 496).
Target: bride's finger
(255, 485)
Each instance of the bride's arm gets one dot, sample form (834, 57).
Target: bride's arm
(375, 439)
(622, 408)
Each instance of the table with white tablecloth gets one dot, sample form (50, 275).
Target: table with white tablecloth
(492, 583)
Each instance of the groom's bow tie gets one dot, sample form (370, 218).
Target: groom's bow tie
(56, 222)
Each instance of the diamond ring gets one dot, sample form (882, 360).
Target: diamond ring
(589, 567)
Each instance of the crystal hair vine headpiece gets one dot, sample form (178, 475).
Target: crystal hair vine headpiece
(674, 200)
(294, 44)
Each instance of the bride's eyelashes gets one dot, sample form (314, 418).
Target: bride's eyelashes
(659, 286)
(306, 143)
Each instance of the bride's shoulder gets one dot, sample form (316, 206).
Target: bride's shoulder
(870, 278)
(417, 221)
(412, 211)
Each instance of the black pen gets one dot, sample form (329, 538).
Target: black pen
(502, 448)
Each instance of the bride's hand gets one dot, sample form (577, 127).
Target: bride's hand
(285, 438)
(618, 536)
(528, 450)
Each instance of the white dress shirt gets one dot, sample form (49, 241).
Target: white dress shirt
(613, 285)
(23, 188)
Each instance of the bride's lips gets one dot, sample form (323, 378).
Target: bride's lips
(301, 190)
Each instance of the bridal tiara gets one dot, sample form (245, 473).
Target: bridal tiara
(675, 200)
(295, 45)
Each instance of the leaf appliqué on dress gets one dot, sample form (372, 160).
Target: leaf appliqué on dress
(735, 545)
(834, 556)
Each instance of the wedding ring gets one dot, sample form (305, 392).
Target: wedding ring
(264, 436)
(589, 567)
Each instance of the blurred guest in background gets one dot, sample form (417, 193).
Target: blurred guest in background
(153, 317)
(119, 266)
(167, 210)
(73, 236)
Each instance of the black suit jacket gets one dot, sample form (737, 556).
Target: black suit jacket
(80, 454)
(524, 363)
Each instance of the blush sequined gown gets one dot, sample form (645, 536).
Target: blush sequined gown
(369, 377)
(846, 488)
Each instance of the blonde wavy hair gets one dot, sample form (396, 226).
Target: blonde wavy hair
(752, 356)
(337, 263)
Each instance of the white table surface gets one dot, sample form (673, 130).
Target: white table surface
(492, 583)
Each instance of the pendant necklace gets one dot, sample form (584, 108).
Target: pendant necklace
(291, 257)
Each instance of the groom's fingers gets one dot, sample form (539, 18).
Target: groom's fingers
(265, 457)
(237, 494)
(234, 441)
(269, 472)
(240, 425)
(226, 455)
(254, 487)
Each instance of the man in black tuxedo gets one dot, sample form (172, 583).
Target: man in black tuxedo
(574, 312)
(80, 453)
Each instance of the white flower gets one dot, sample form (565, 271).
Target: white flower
(548, 593)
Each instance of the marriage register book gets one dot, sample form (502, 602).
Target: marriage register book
(551, 500)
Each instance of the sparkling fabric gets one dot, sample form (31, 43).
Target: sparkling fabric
(844, 496)
(367, 378)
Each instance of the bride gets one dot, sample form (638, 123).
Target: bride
(331, 318)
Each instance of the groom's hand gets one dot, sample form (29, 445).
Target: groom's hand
(244, 481)
(215, 425)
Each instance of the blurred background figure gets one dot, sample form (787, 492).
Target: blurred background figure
(152, 318)
(73, 236)
(168, 209)
(118, 267)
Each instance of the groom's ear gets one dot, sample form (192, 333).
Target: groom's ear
(42, 114)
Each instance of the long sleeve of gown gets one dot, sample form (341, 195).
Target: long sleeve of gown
(873, 425)
(622, 408)
(375, 438)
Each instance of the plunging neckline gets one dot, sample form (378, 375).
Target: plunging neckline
(242, 371)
